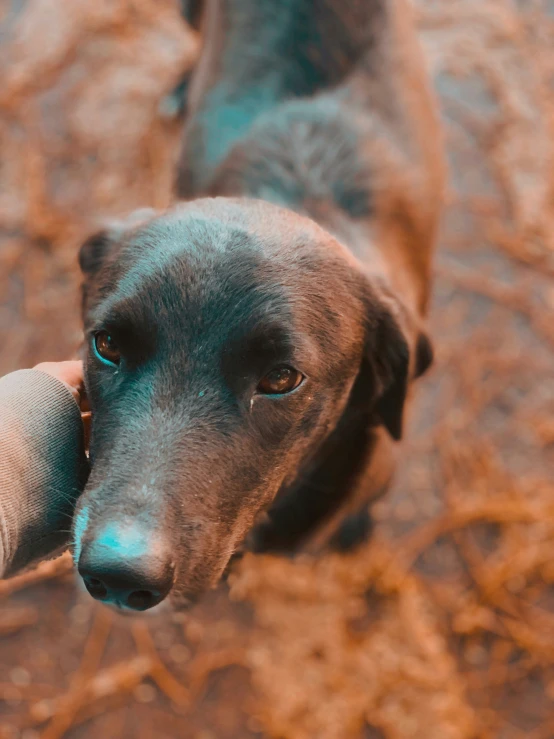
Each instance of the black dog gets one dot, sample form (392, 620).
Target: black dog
(250, 355)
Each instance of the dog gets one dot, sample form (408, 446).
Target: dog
(250, 351)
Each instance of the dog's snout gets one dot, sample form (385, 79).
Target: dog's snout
(127, 567)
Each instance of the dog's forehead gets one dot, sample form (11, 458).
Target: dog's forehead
(195, 265)
(192, 256)
(199, 272)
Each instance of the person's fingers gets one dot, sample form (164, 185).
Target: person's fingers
(70, 373)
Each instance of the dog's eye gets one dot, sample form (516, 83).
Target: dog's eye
(279, 381)
(106, 348)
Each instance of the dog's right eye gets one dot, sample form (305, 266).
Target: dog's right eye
(106, 349)
(280, 381)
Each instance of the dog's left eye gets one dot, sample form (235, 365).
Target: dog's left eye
(106, 348)
(279, 381)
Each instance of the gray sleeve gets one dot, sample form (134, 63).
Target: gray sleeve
(43, 467)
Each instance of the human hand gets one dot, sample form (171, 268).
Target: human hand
(70, 373)
(72, 376)
(43, 465)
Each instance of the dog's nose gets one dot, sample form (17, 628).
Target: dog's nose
(126, 567)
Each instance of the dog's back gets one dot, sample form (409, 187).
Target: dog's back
(322, 106)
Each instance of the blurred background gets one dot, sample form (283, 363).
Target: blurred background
(442, 627)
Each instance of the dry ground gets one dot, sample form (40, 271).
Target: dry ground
(443, 626)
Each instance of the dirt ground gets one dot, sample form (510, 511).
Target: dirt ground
(442, 627)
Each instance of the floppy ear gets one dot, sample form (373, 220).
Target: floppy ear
(102, 247)
(392, 339)
(424, 354)
(92, 256)
(93, 252)
(96, 248)
(389, 356)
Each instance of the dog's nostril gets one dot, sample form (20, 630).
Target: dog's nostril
(127, 567)
(96, 588)
(141, 600)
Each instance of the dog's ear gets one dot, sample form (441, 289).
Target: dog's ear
(93, 252)
(100, 249)
(97, 248)
(389, 355)
(397, 351)
(424, 354)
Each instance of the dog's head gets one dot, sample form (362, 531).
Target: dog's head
(223, 342)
